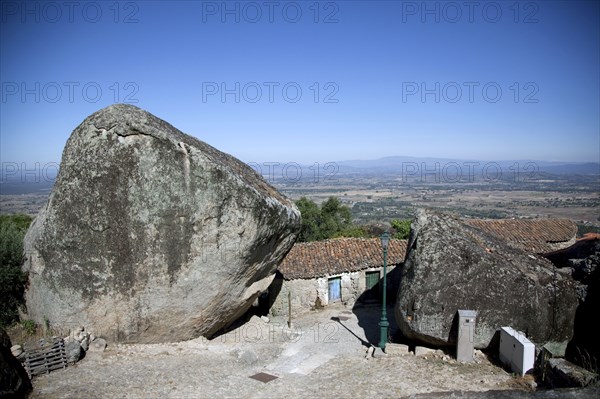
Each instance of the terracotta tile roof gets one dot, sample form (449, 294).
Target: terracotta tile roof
(329, 257)
(589, 237)
(532, 235)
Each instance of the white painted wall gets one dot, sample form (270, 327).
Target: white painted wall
(516, 350)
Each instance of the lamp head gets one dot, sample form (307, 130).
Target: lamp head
(385, 240)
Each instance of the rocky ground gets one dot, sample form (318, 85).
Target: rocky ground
(323, 355)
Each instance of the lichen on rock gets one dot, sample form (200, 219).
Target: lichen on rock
(150, 235)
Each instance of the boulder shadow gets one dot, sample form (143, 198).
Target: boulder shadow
(368, 309)
(369, 316)
(492, 351)
(261, 307)
(362, 341)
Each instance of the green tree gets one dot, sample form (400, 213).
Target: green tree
(311, 220)
(402, 228)
(20, 220)
(12, 279)
(331, 219)
(335, 217)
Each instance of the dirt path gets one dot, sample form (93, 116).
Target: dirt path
(319, 357)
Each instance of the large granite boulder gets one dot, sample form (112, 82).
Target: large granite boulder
(451, 265)
(150, 235)
(583, 259)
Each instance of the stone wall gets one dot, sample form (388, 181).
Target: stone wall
(561, 244)
(304, 292)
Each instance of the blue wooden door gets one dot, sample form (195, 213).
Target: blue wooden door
(335, 289)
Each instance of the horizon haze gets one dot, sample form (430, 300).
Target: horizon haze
(311, 81)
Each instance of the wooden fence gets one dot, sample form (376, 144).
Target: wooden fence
(47, 357)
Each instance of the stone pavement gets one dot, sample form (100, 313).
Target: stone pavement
(323, 355)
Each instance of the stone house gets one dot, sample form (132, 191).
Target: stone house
(341, 270)
(538, 236)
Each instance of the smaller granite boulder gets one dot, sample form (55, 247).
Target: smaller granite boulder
(451, 265)
(73, 350)
(560, 373)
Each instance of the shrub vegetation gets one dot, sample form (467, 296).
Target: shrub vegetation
(12, 279)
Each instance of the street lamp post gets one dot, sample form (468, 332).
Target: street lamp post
(383, 323)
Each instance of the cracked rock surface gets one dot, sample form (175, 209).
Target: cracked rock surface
(150, 235)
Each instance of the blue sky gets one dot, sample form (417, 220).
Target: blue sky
(310, 81)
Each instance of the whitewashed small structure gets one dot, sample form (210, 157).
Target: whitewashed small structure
(516, 350)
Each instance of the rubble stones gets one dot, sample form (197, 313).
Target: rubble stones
(396, 349)
(97, 345)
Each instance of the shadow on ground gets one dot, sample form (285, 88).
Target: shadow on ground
(341, 322)
(369, 315)
(368, 309)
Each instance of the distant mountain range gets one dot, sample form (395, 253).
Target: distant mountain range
(13, 181)
(416, 167)
(399, 163)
